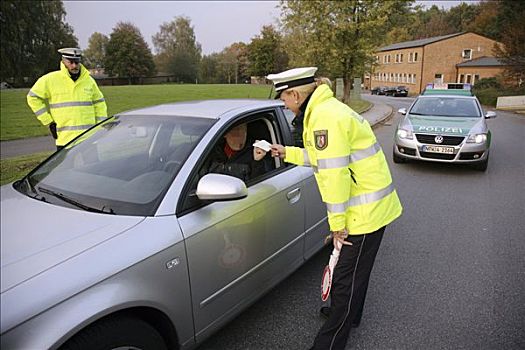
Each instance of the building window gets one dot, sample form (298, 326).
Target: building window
(438, 78)
(388, 59)
(415, 56)
(476, 78)
(401, 58)
(467, 54)
(461, 78)
(413, 78)
(468, 80)
(410, 55)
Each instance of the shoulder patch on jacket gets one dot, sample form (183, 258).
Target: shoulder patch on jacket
(321, 139)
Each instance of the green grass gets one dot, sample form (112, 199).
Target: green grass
(17, 121)
(12, 169)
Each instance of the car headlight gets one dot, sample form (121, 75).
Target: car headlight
(405, 134)
(477, 138)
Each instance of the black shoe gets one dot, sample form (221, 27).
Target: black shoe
(325, 312)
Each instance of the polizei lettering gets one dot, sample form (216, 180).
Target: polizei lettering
(440, 129)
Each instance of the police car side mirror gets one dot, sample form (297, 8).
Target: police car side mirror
(490, 115)
(402, 111)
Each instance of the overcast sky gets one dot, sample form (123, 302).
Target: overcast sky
(217, 24)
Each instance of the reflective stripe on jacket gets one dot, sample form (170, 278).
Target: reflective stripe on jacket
(74, 106)
(349, 165)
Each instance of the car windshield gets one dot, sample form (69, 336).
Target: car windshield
(123, 166)
(446, 107)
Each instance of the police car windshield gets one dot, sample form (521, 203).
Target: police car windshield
(446, 107)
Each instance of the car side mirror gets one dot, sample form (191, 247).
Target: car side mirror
(490, 115)
(219, 187)
(402, 111)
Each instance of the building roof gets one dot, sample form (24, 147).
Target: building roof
(482, 62)
(417, 43)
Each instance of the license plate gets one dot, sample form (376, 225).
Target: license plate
(438, 149)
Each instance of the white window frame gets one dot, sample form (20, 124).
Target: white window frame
(464, 56)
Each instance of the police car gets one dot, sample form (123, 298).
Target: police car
(444, 124)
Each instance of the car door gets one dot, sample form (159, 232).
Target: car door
(239, 249)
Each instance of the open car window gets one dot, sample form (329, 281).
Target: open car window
(241, 164)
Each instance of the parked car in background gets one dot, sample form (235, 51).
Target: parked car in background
(378, 90)
(123, 239)
(444, 128)
(397, 91)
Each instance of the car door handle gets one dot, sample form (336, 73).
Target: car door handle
(294, 195)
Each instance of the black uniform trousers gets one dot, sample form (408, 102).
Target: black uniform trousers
(348, 292)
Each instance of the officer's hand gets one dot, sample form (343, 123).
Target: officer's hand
(258, 153)
(53, 130)
(339, 238)
(278, 151)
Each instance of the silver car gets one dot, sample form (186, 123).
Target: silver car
(444, 128)
(122, 239)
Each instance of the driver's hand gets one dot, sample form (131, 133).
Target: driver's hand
(258, 153)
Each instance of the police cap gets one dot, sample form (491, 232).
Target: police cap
(291, 78)
(71, 53)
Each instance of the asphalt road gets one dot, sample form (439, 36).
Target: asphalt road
(450, 273)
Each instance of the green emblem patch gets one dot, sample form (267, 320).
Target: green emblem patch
(321, 139)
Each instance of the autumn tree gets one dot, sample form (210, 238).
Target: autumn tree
(265, 53)
(233, 62)
(178, 52)
(339, 37)
(95, 53)
(512, 51)
(32, 32)
(127, 54)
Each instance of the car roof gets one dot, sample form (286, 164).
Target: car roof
(464, 97)
(454, 92)
(213, 109)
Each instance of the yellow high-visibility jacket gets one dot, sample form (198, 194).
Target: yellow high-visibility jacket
(349, 165)
(74, 106)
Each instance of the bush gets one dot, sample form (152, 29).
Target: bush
(487, 83)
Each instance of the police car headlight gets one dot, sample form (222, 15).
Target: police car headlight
(477, 138)
(405, 134)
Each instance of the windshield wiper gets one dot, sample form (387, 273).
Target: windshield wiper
(74, 202)
(32, 188)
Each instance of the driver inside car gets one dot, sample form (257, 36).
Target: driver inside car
(235, 156)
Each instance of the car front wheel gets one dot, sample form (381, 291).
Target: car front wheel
(117, 333)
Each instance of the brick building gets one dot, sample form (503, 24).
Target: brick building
(448, 58)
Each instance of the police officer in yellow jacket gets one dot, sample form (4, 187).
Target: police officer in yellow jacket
(69, 100)
(355, 183)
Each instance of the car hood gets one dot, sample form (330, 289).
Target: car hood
(36, 236)
(457, 126)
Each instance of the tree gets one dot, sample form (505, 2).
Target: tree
(32, 32)
(95, 53)
(209, 69)
(461, 16)
(127, 54)
(512, 53)
(178, 52)
(339, 37)
(265, 53)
